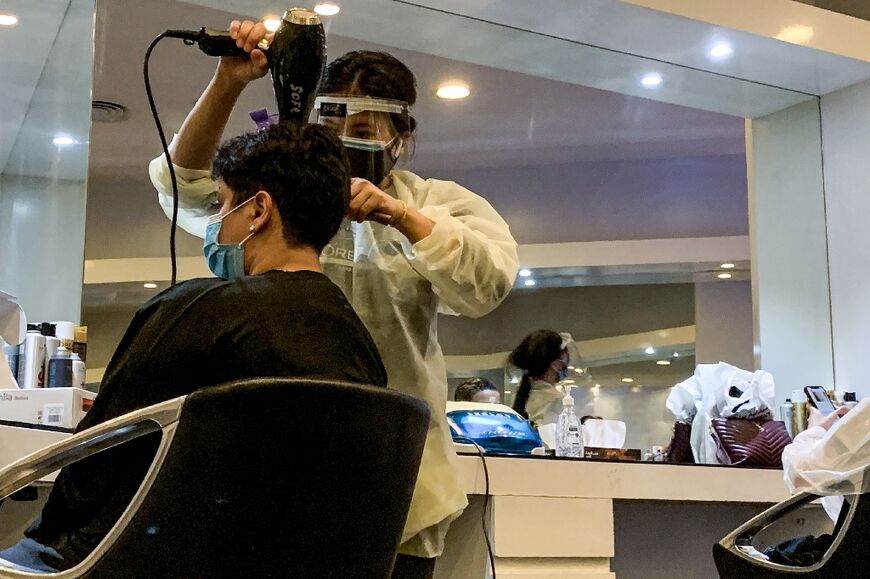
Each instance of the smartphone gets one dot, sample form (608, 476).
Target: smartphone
(818, 397)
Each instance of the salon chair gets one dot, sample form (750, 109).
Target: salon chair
(259, 478)
(848, 555)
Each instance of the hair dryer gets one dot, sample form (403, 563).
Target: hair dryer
(296, 55)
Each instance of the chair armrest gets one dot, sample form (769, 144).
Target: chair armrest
(88, 442)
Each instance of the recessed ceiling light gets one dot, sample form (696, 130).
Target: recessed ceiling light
(8, 20)
(796, 34)
(327, 9)
(727, 266)
(628, 380)
(721, 50)
(676, 354)
(525, 272)
(149, 285)
(272, 24)
(651, 80)
(649, 350)
(453, 91)
(508, 392)
(63, 140)
(529, 282)
(724, 276)
(663, 362)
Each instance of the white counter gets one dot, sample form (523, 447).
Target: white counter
(560, 517)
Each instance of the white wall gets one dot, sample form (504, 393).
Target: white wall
(846, 122)
(723, 323)
(789, 258)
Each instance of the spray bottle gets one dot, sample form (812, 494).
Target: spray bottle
(569, 433)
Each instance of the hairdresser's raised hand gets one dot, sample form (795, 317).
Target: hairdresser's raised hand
(247, 34)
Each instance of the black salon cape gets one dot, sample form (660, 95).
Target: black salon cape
(198, 333)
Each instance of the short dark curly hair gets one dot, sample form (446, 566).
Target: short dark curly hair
(465, 392)
(302, 166)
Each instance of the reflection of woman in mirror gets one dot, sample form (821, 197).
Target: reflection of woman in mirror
(544, 360)
(477, 390)
(418, 246)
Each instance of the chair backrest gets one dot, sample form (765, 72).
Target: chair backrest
(278, 477)
(849, 556)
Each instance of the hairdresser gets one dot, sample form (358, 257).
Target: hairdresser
(419, 247)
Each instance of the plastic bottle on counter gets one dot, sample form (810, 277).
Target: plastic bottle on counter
(78, 371)
(569, 433)
(60, 369)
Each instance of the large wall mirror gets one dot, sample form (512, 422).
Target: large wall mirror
(624, 180)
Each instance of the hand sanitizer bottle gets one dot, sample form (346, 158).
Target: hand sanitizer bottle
(569, 434)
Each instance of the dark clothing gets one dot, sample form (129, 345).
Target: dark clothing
(410, 567)
(200, 333)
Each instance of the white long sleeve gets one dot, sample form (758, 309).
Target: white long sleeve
(832, 462)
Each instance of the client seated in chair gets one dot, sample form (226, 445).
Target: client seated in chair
(828, 458)
(270, 312)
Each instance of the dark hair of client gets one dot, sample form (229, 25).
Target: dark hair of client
(465, 392)
(302, 166)
(534, 354)
(372, 74)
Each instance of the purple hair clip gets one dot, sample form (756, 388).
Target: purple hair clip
(263, 119)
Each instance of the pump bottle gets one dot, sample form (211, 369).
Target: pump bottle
(569, 433)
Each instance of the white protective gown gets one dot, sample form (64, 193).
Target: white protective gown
(831, 462)
(545, 403)
(466, 266)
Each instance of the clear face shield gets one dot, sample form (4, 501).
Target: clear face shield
(371, 130)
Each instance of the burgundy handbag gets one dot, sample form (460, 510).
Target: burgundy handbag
(747, 442)
(680, 448)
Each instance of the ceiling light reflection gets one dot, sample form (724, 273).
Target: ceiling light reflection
(8, 20)
(327, 9)
(452, 91)
(651, 80)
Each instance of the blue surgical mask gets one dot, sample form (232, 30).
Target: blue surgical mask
(225, 260)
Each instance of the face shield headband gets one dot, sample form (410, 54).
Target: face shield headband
(370, 130)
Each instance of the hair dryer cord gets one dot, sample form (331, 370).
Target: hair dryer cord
(172, 256)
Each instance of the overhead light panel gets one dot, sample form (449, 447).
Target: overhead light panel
(721, 51)
(663, 362)
(149, 285)
(63, 140)
(724, 276)
(8, 20)
(327, 9)
(649, 350)
(628, 380)
(529, 282)
(651, 80)
(525, 272)
(453, 91)
(727, 266)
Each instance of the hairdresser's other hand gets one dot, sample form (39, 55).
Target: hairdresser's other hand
(243, 70)
(816, 418)
(368, 202)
